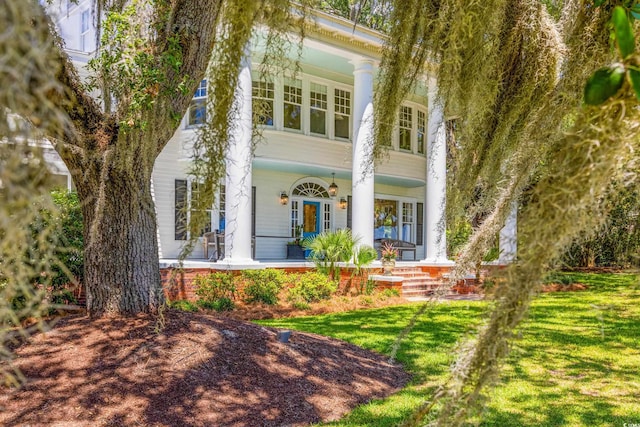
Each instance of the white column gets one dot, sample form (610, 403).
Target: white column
(509, 237)
(362, 180)
(436, 188)
(237, 238)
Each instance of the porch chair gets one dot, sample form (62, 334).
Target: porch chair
(209, 242)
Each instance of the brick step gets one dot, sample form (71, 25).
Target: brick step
(417, 293)
(410, 273)
(427, 288)
(419, 279)
(419, 283)
(403, 270)
(424, 288)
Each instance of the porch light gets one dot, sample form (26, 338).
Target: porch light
(284, 199)
(343, 203)
(333, 188)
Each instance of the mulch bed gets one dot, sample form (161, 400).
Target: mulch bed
(199, 370)
(337, 304)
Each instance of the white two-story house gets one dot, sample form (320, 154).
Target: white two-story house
(311, 172)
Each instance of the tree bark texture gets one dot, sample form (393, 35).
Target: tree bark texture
(112, 168)
(122, 273)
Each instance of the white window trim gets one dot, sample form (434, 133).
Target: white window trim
(187, 125)
(400, 221)
(84, 33)
(303, 111)
(214, 209)
(307, 79)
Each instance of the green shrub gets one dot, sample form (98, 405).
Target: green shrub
(390, 293)
(63, 296)
(311, 287)
(221, 304)
(263, 285)
(560, 278)
(366, 300)
(183, 305)
(301, 305)
(67, 236)
(214, 286)
(369, 287)
(70, 237)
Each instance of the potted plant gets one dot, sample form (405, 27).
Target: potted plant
(294, 247)
(388, 254)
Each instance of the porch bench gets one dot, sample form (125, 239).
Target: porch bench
(400, 245)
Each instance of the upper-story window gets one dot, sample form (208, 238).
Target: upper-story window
(85, 21)
(421, 131)
(318, 111)
(263, 95)
(293, 104)
(198, 107)
(406, 118)
(342, 106)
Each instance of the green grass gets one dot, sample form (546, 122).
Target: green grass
(577, 363)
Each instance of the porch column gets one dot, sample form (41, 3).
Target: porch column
(362, 178)
(237, 237)
(508, 244)
(436, 188)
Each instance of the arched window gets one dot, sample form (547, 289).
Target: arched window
(311, 189)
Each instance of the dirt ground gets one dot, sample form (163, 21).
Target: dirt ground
(199, 370)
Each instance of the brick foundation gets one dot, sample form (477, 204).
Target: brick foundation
(178, 283)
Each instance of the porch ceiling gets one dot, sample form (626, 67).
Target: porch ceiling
(323, 171)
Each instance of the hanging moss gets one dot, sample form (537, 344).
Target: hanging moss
(514, 77)
(280, 24)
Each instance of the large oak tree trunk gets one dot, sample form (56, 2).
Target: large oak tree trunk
(122, 272)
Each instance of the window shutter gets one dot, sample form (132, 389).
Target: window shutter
(180, 220)
(419, 224)
(253, 211)
(349, 221)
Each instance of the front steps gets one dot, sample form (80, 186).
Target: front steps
(412, 282)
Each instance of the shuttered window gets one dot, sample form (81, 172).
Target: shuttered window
(419, 224)
(180, 220)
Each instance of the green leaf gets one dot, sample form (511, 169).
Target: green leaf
(623, 31)
(634, 75)
(598, 2)
(603, 84)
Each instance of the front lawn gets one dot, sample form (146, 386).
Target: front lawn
(577, 362)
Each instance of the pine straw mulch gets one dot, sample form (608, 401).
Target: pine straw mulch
(337, 304)
(200, 370)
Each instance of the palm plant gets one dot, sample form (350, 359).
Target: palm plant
(362, 256)
(330, 248)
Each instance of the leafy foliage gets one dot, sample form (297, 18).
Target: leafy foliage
(214, 286)
(183, 305)
(330, 248)
(616, 243)
(311, 287)
(362, 257)
(263, 285)
(221, 304)
(68, 223)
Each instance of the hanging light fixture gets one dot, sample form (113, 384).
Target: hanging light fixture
(333, 188)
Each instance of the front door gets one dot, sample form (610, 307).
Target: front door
(310, 222)
(310, 219)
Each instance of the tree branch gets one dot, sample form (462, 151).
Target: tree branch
(196, 32)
